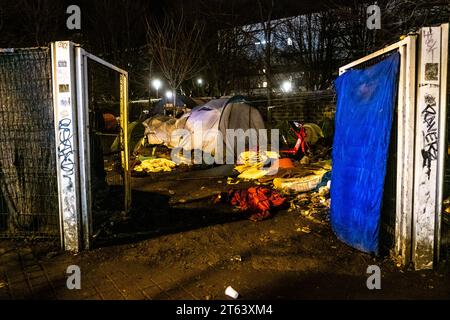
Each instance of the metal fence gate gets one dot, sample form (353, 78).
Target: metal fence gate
(46, 132)
(77, 144)
(28, 184)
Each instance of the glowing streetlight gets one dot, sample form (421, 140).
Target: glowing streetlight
(169, 94)
(286, 86)
(157, 84)
(200, 81)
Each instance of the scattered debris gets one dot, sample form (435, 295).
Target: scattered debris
(231, 180)
(155, 165)
(283, 163)
(304, 230)
(303, 184)
(314, 206)
(229, 291)
(253, 173)
(237, 258)
(305, 160)
(447, 205)
(255, 165)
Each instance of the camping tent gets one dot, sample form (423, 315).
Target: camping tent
(181, 102)
(203, 125)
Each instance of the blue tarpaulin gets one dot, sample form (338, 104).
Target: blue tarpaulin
(364, 112)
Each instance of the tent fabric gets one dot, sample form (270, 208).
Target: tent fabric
(181, 102)
(203, 123)
(363, 124)
(204, 119)
(239, 116)
(159, 128)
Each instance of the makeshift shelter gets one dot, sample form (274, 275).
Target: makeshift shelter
(366, 102)
(180, 103)
(205, 127)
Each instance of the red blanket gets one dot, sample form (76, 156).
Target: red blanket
(258, 201)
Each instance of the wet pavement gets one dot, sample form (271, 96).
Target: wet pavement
(287, 257)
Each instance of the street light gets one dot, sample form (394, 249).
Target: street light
(156, 83)
(286, 86)
(200, 86)
(169, 94)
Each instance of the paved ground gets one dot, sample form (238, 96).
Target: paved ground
(266, 260)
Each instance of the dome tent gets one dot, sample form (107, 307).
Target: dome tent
(200, 128)
(181, 102)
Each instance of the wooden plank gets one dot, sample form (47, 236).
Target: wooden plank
(392, 47)
(400, 238)
(405, 152)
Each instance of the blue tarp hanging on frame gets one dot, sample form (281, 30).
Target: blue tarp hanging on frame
(364, 113)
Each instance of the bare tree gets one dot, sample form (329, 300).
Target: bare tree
(176, 47)
(266, 9)
(40, 18)
(117, 32)
(313, 47)
(398, 17)
(232, 59)
(403, 16)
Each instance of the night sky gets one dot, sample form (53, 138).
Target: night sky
(19, 21)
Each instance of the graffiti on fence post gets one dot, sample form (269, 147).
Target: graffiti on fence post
(428, 148)
(65, 149)
(430, 133)
(67, 167)
(66, 143)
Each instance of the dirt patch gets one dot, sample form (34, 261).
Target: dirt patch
(196, 249)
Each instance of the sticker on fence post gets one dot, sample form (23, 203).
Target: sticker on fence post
(427, 145)
(66, 150)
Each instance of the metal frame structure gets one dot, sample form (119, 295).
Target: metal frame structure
(70, 95)
(418, 200)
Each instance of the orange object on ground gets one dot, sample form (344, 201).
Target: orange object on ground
(110, 121)
(284, 163)
(258, 201)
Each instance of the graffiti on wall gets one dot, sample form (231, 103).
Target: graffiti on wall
(430, 133)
